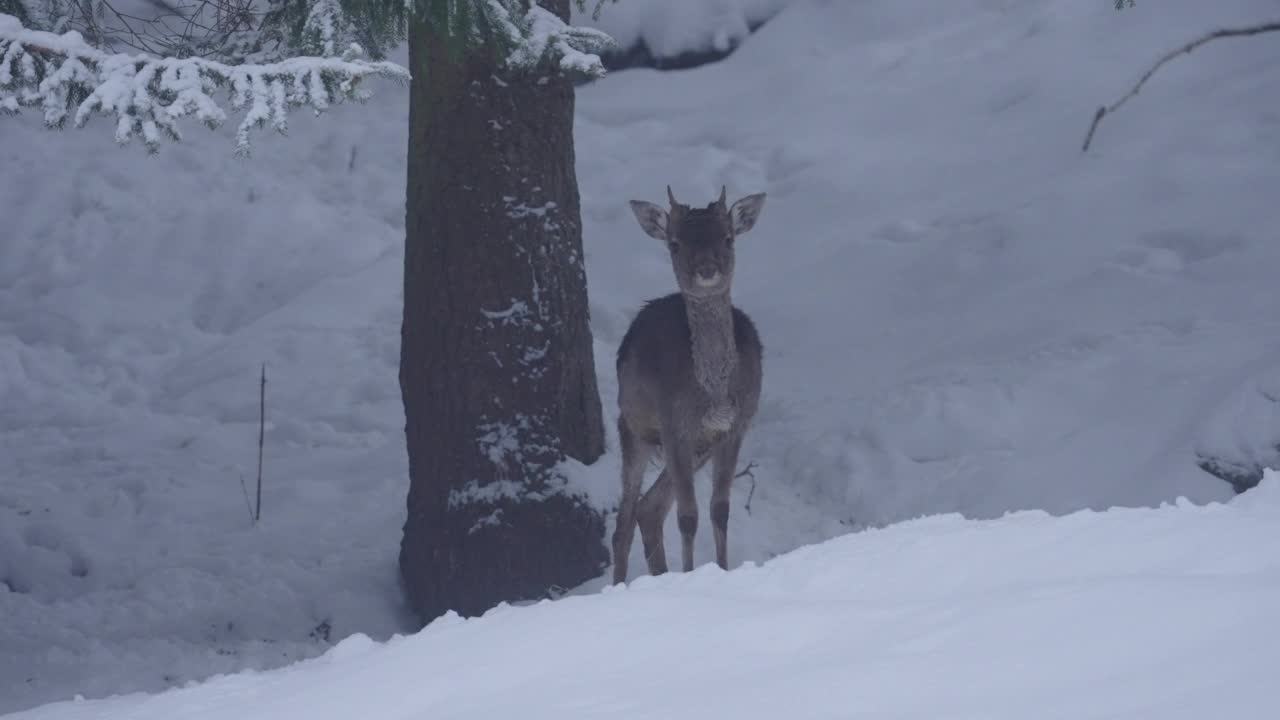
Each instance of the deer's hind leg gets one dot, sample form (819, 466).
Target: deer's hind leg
(636, 452)
(652, 515)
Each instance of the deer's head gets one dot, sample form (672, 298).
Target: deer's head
(700, 240)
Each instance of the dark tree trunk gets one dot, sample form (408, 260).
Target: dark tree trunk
(496, 365)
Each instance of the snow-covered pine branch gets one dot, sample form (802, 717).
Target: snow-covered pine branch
(148, 95)
(528, 36)
(324, 26)
(575, 48)
(536, 35)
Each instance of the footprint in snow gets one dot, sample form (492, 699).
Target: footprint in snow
(1167, 252)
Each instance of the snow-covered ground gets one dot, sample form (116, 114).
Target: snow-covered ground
(1128, 613)
(961, 313)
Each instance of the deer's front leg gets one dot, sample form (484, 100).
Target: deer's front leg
(680, 465)
(724, 465)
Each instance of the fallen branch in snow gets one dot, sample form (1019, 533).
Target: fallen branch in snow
(748, 471)
(1105, 110)
(66, 77)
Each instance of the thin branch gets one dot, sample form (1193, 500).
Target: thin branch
(262, 431)
(181, 28)
(748, 471)
(1184, 50)
(247, 503)
(140, 38)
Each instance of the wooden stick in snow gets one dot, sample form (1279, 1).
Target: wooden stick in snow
(262, 431)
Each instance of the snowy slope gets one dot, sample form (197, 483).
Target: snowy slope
(1162, 613)
(961, 313)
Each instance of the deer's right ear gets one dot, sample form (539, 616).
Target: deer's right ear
(652, 219)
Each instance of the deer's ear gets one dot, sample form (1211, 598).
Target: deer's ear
(745, 212)
(652, 219)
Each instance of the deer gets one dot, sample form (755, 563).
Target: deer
(690, 369)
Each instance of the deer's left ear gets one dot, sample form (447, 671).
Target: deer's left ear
(745, 212)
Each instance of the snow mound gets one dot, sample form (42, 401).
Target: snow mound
(669, 28)
(1146, 613)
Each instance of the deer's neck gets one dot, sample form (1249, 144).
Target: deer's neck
(714, 352)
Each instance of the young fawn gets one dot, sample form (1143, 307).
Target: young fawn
(689, 376)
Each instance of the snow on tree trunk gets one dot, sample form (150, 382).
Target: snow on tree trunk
(496, 372)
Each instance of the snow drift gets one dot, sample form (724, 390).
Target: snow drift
(1142, 613)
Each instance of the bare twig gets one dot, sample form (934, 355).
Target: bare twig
(748, 471)
(247, 503)
(180, 28)
(1105, 110)
(262, 431)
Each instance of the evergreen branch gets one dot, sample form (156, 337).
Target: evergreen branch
(536, 36)
(324, 26)
(574, 48)
(147, 95)
(1105, 110)
(177, 75)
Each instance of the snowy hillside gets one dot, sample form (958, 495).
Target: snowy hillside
(1128, 613)
(961, 313)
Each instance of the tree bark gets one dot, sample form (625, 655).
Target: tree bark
(496, 364)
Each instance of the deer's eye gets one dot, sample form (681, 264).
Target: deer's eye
(673, 245)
